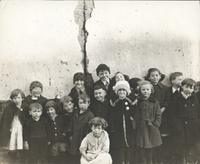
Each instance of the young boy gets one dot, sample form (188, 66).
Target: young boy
(103, 72)
(36, 89)
(185, 121)
(36, 134)
(58, 133)
(122, 125)
(79, 127)
(100, 107)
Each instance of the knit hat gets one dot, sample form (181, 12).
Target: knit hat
(122, 85)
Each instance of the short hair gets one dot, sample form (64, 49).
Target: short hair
(98, 86)
(102, 67)
(174, 75)
(66, 99)
(35, 105)
(50, 103)
(145, 82)
(35, 84)
(133, 82)
(188, 82)
(84, 97)
(78, 76)
(150, 70)
(98, 121)
(16, 92)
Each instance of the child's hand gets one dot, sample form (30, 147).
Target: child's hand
(26, 146)
(88, 158)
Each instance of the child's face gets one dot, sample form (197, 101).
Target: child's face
(36, 92)
(51, 112)
(68, 107)
(17, 100)
(36, 113)
(97, 131)
(177, 81)
(79, 84)
(100, 94)
(104, 75)
(83, 105)
(146, 91)
(122, 93)
(154, 77)
(119, 77)
(188, 89)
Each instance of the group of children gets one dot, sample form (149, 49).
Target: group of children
(113, 120)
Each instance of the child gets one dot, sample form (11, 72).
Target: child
(166, 126)
(185, 121)
(122, 125)
(79, 88)
(58, 133)
(148, 119)
(79, 127)
(95, 146)
(36, 89)
(103, 72)
(36, 134)
(11, 125)
(100, 106)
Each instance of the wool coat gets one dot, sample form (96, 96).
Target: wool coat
(148, 120)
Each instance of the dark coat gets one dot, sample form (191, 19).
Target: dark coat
(148, 120)
(6, 122)
(186, 120)
(122, 124)
(28, 101)
(79, 129)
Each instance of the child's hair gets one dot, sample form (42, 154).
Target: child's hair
(84, 97)
(150, 70)
(66, 99)
(133, 82)
(16, 92)
(98, 121)
(97, 86)
(35, 105)
(197, 85)
(174, 75)
(145, 82)
(51, 103)
(188, 82)
(113, 80)
(35, 84)
(78, 76)
(102, 67)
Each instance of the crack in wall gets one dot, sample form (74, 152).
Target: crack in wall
(82, 13)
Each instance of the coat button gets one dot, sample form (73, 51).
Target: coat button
(185, 105)
(126, 103)
(186, 122)
(56, 134)
(127, 108)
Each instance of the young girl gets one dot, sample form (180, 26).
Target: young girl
(148, 119)
(122, 125)
(95, 146)
(11, 125)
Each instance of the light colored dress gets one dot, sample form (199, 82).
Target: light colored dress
(96, 147)
(16, 138)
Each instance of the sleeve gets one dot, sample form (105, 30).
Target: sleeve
(26, 130)
(157, 120)
(83, 146)
(106, 145)
(48, 130)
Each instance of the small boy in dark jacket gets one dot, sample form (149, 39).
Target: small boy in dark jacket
(186, 121)
(57, 133)
(36, 135)
(79, 127)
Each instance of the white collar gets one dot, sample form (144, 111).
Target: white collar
(174, 90)
(185, 96)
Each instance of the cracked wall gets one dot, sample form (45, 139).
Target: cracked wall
(39, 41)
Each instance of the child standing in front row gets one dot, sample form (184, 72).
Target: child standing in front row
(36, 135)
(95, 146)
(79, 127)
(148, 120)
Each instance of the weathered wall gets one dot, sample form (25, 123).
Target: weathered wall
(39, 41)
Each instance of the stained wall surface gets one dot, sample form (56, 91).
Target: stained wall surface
(39, 41)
